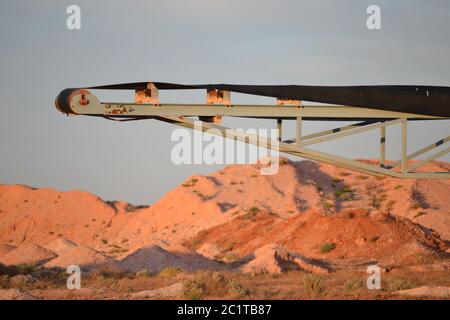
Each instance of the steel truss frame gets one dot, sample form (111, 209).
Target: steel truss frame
(369, 119)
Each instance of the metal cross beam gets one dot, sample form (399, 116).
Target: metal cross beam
(300, 151)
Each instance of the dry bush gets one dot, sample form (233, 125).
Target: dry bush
(354, 284)
(194, 289)
(170, 272)
(396, 284)
(213, 285)
(4, 282)
(313, 284)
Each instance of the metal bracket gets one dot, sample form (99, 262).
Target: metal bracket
(149, 95)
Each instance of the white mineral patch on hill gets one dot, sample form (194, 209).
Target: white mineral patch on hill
(153, 258)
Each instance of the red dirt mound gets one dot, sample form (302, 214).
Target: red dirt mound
(299, 189)
(354, 235)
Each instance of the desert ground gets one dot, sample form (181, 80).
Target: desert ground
(308, 232)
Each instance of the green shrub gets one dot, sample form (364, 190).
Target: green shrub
(328, 206)
(251, 213)
(342, 192)
(327, 247)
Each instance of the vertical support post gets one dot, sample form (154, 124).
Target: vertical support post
(298, 131)
(280, 129)
(382, 146)
(404, 145)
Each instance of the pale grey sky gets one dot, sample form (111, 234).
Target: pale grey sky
(191, 41)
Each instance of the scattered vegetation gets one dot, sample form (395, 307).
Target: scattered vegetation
(190, 183)
(170, 271)
(213, 285)
(229, 246)
(327, 247)
(390, 205)
(108, 273)
(231, 257)
(15, 270)
(313, 284)
(344, 174)
(328, 206)
(377, 198)
(415, 205)
(194, 289)
(420, 213)
(144, 273)
(343, 193)
(237, 289)
(354, 284)
(396, 284)
(252, 212)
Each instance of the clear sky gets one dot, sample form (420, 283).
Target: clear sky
(320, 42)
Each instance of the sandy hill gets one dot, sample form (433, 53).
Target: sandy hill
(27, 254)
(153, 259)
(5, 248)
(349, 235)
(305, 192)
(82, 256)
(60, 246)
